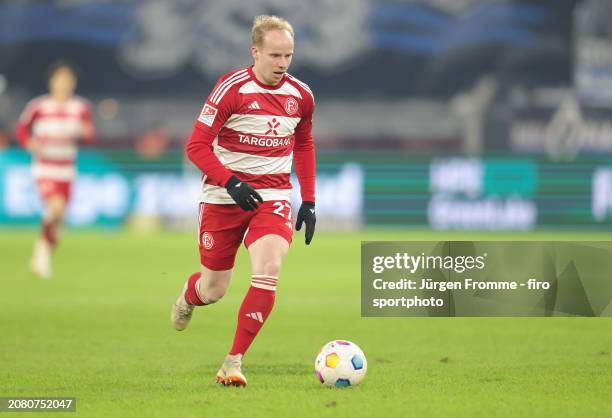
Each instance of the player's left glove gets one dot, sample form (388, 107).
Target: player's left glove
(306, 215)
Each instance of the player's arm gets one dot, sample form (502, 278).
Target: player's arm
(305, 170)
(200, 149)
(88, 129)
(23, 130)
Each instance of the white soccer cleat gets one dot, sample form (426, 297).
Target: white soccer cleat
(40, 263)
(181, 313)
(230, 374)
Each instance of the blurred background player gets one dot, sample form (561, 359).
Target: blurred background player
(253, 124)
(49, 128)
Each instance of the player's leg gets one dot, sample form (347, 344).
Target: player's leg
(268, 241)
(266, 255)
(202, 288)
(55, 196)
(207, 286)
(220, 233)
(54, 218)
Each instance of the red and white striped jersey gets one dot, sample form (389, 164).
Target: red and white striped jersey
(254, 131)
(58, 126)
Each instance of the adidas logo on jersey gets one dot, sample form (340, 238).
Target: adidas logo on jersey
(254, 105)
(256, 316)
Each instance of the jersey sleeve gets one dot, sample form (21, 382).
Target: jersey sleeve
(304, 151)
(89, 130)
(218, 107)
(23, 130)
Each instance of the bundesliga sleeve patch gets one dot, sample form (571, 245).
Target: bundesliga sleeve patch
(207, 115)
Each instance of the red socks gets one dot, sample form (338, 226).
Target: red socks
(192, 293)
(49, 233)
(254, 311)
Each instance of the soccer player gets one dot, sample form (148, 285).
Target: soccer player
(254, 123)
(50, 128)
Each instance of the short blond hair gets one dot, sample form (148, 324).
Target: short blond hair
(263, 24)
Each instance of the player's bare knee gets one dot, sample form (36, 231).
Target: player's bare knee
(53, 216)
(56, 210)
(58, 216)
(214, 284)
(214, 294)
(271, 268)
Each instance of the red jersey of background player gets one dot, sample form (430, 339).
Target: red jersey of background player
(57, 126)
(253, 131)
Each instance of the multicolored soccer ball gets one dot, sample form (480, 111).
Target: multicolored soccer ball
(341, 364)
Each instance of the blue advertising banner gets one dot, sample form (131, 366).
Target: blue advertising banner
(110, 191)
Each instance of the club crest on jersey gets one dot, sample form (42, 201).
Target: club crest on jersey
(207, 115)
(291, 106)
(207, 241)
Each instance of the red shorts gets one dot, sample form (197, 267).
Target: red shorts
(223, 228)
(49, 188)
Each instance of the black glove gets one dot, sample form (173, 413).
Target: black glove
(307, 215)
(242, 193)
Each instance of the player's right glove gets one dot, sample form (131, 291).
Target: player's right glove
(242, 193)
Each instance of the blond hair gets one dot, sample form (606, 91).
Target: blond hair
(263, 24)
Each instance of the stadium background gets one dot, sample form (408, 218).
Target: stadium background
(445, 114)
(435, 119)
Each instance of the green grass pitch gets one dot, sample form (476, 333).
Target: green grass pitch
(100, 331)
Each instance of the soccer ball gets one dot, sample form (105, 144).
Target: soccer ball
(340, 363)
